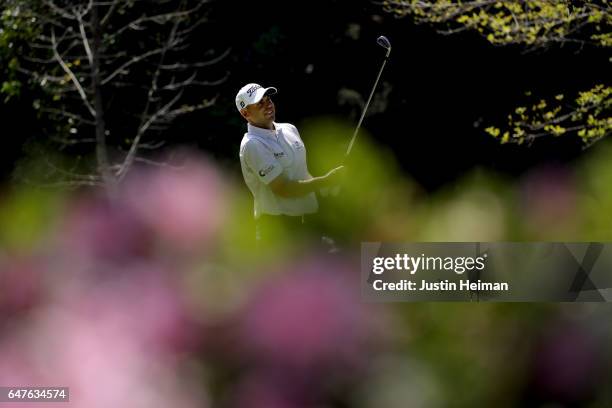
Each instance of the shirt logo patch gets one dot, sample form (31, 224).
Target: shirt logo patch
(266, 171)
(297, 145)
(277, 155)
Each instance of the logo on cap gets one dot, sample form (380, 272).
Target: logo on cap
(253, 89)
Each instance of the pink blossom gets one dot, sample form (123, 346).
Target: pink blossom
(145, 301)
(312, 316)
(184, 206)
(264, 391)
(102, 347)
(549, 199)
(567, 362)
(21, 286)
(96, 229)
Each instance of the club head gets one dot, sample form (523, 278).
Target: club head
(385, 43)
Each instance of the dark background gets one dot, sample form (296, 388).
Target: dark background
(444, 90)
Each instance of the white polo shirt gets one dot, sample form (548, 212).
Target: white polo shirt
(264, 155)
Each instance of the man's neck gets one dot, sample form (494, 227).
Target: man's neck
(267, 126)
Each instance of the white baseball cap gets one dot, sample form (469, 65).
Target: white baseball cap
(252, 93)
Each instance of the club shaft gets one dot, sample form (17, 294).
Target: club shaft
(365, 108)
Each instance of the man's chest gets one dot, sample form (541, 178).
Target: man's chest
(287, 149)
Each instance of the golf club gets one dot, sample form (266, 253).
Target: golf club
(383, 42)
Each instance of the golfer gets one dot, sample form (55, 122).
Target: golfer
(273, 161)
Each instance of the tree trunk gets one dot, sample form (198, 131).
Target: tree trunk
(103, 163)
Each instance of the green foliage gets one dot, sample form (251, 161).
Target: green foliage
(595, 203)
(533, 23)
(588, 117)
(17, 28)
(10, 89)
(25, 216)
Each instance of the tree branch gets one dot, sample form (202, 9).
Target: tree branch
(73, 78)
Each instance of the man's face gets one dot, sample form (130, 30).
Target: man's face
(261, 113)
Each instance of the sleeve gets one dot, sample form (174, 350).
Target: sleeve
(297, 133)
(262, 162)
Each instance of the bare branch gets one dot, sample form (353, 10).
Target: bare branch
(74, 176)
(159, 114)
(158, 18)
(190, 108)
(72, 142)
(141, 131)
(145, 124)
(84, 39)
(73, 78)
(62, 12)
(132, 61)
(70, 115)
(192, 82)
(109, 13)
(155, 163)
(152, 146)
(183, 66)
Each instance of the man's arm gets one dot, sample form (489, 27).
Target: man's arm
(283, 187)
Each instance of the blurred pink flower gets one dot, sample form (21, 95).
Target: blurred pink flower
(184, 206)
(21, 286)
(311, 317)
(567, 363)
(103, 232)
(113, 345)
(264, 391)
(549, 199)
(146, 302)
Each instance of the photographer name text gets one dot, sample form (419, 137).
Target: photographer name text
(440, 286)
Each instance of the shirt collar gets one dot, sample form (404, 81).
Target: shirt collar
(257, 131)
